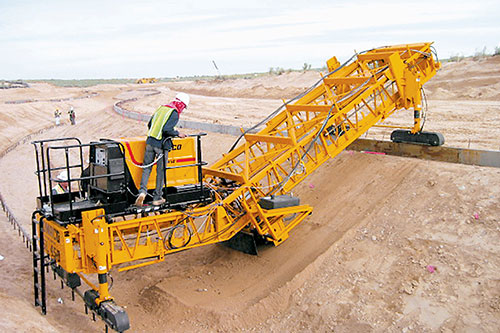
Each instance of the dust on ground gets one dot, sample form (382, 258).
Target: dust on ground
(394, 244)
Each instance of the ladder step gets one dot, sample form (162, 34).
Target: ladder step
(39, 264)
(37, 256)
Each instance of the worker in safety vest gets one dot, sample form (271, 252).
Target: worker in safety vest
(57, 116)
(72, 116)
(61, 187)
(159, 143)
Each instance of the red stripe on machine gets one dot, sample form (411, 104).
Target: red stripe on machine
(190, 159)
(132, 157)
(131, 154)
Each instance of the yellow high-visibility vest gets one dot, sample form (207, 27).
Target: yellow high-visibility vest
(58, 189)
(160, 118)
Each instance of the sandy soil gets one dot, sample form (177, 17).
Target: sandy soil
(393, 244)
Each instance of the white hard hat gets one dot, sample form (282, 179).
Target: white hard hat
(63, 175)
(183, 97)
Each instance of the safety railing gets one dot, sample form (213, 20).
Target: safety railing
(45, 171)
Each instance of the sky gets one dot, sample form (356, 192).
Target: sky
(130, 38)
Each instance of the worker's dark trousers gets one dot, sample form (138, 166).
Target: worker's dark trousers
(149, 156)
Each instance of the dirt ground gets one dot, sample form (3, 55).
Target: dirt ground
(393, 244)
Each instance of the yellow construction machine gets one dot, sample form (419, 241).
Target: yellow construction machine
(146, 80)
(241, 199)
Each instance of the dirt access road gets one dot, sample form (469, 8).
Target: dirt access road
(393, 244)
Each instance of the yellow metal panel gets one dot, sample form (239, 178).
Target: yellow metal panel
(183, 153)
(59, 244)
(332, 64)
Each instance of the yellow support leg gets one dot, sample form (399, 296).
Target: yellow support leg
(417, 113)
(97, 247)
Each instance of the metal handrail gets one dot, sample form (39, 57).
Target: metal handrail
(199, 164)
(44, 167)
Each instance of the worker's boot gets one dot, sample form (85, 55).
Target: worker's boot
(139, 202)
(158, 202)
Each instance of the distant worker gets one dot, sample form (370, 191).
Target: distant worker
(72, 116)
(57, 116)
(159, 142)
(61, 187)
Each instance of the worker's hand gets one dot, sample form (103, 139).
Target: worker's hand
(182, 135)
